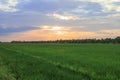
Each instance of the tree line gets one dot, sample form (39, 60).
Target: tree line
(106, 40)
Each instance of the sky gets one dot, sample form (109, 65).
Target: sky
(33, 20)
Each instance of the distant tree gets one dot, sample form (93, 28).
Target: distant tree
(117, 39)
(107, 40)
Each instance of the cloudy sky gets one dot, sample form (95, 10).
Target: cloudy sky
(58, 19)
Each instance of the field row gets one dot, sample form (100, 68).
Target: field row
(61, 62)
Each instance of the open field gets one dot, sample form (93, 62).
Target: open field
(59, 61)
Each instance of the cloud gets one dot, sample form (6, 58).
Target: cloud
(55, 28)
(8, 30)
(110, 31)
(108, 5)
(48, 33)
(8, 5)
(60, 32)
(65, 16)
(57, 18)
(117, 15)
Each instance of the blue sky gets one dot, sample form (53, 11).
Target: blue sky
(58, 19)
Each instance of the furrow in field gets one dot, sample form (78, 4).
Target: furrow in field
(59, 65)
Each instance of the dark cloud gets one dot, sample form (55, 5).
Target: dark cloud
(8, 30)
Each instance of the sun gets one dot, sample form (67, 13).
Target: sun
(56, 28)
(52, 28)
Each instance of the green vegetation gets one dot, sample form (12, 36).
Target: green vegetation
(30, 61)
(4, 72)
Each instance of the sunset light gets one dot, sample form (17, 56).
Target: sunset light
(56, 19)
(59, 39)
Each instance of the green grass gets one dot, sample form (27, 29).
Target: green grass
(60, 61)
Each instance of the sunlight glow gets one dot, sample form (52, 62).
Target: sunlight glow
(64, 17)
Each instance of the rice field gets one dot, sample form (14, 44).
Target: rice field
(47, 61)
